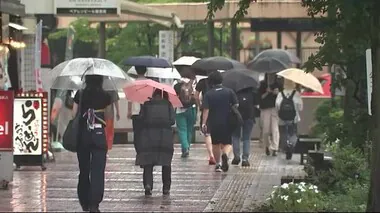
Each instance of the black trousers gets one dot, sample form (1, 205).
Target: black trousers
(166, 176)
(92, 163)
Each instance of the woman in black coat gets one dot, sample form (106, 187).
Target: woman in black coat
(156, 145)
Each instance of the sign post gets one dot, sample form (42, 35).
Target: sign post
(166, 42)
(6, 137)
(368, 56)
(30, 128)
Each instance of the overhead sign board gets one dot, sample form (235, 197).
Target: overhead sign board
(87, 7)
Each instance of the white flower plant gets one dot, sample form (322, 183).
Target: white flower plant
(295, 197)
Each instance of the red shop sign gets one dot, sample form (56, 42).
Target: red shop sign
(6, 120)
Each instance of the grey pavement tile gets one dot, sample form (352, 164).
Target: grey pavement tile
(195, 185)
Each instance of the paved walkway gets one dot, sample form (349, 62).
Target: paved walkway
(195, 185)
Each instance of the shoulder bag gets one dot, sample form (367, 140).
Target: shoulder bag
(70, 139)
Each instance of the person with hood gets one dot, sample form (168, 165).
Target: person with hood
(156, 146)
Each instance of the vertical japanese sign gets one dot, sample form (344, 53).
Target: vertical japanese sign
(27, 131)
(37, 57)
(166, 45)
(70, 43)
(368, 56)
(6, 120)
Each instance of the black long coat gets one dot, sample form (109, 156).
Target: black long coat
(155, 145)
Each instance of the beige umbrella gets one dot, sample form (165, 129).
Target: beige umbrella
(301, 77)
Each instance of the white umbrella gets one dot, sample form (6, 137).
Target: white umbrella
(153, 72)
(186, 61)
(301, 77)
(69, 75)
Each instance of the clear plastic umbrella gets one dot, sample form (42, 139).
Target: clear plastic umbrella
(69, 75)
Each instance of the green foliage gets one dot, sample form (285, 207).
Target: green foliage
(300, 197)
(354, 200)
(332, 125)
(214, 5)
(142, 39)
(346, 35)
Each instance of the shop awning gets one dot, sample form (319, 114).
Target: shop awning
(12, 7)
(164, 17)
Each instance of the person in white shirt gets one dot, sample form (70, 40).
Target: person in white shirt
(134, 110)
(288, 127)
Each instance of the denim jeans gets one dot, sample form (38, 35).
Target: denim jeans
(236, 136)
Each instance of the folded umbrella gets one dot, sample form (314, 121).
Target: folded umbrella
(239, 79)
(301, 77)
(147, 61)
(141, 91)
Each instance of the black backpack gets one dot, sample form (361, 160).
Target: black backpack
(246, 102)
(287, 110)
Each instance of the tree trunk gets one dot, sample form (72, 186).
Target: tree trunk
(374, 196)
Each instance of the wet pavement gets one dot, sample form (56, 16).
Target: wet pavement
(195, 185)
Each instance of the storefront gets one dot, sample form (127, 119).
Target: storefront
(11, 12)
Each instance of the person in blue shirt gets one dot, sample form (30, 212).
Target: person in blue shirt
(217, 105)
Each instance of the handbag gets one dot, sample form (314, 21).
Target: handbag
(70, 139)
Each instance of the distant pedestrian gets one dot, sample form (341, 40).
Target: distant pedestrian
(269, 88)
(186, 115)
(200, 91)
(156, 147)
(92, 148)
(217, 105)
(248, 100)
(289, 105)
(134, 110)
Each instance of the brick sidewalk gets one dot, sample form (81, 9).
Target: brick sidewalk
(195, 185)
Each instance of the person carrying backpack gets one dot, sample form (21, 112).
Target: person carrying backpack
(248, 100)
(186, 115)
(288, 103)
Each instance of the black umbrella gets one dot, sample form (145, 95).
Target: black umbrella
(217, 63)
(239, 79)
(147, 61)
(272, 61)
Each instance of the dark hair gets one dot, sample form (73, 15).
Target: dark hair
(160, 93)
(94, 81)
(215, 78)
(140, 70)
(187, 72)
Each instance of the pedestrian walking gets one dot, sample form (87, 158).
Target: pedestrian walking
(248, 101)
(110, 118)
(289, 104)
(156, 147)
(218, 103)
(92, 147)
(269, 88)
(134, 110)
(200, 90)
(186, 115)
